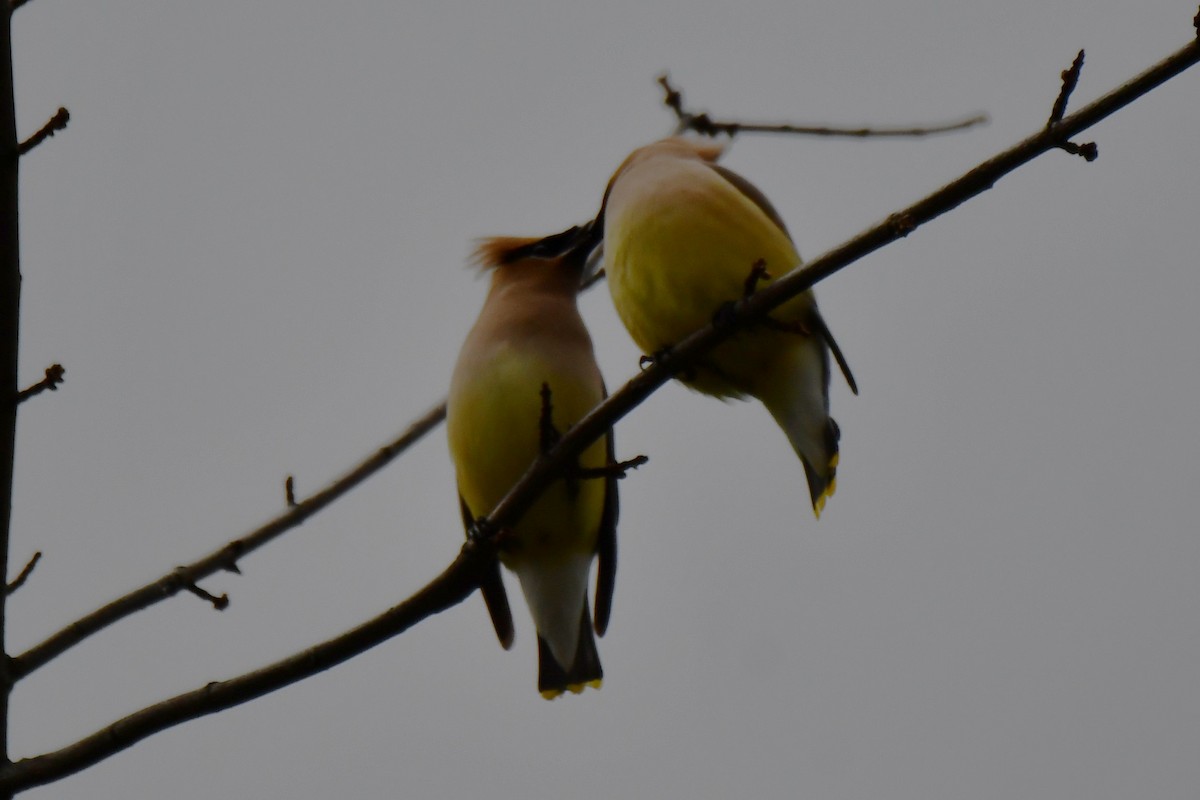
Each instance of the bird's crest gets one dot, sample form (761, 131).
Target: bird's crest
(573, 243)
(496, 251)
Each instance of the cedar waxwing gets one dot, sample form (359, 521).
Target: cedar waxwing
(682, 237)
(529, 335)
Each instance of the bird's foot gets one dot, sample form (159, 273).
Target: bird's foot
(758, 273)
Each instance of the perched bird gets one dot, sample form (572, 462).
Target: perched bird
(683, 238)
(525, 372)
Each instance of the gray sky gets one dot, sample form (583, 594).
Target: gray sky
(248, 252)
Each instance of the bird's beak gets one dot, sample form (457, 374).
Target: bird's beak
(593, 267)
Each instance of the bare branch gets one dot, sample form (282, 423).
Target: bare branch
(19, 581)
(289, 491)
(462, 577)
(56, 123)
(705, 125)
(54, 377)
(15, 4)
(223, 559)
(10, 315)
(454, 585)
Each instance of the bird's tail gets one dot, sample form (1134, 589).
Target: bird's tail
(822, 474)
(798, 400)
(553, 680)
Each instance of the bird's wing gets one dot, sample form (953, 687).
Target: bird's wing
(606, 546)
(759, 199)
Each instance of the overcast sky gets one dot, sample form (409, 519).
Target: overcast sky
(248, 251)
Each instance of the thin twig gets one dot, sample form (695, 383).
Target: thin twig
(1070, 79)
(15, 4)
(23, 576)
(1088, 151)
(54, 377)
(289, 491)
(705, 125)
(55, 123)
(219, 603)
(223, 559)
(615, 469)
(462, 577)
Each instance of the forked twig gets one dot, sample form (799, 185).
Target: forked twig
(703, 124)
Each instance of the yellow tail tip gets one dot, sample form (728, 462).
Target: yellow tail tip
(819, 504)
(573, 688)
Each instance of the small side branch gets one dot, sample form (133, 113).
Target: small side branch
(19, 581)
(219, 603)
(56, 123)
(1070, 79)
(705, 125)
(54, 377)
(1088, 151)
(758, 273)
(617, 469)
(15, 4)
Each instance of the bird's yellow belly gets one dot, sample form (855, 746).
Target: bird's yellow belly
(672, 263)
(500, 439)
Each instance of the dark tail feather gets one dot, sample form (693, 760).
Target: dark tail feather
(553, 680)
(606, 548)
(496, 600)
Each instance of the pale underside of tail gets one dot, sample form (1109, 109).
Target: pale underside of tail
(556, 593)
(797, 397)
(585, 669)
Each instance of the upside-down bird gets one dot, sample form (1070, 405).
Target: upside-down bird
(683, 238)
